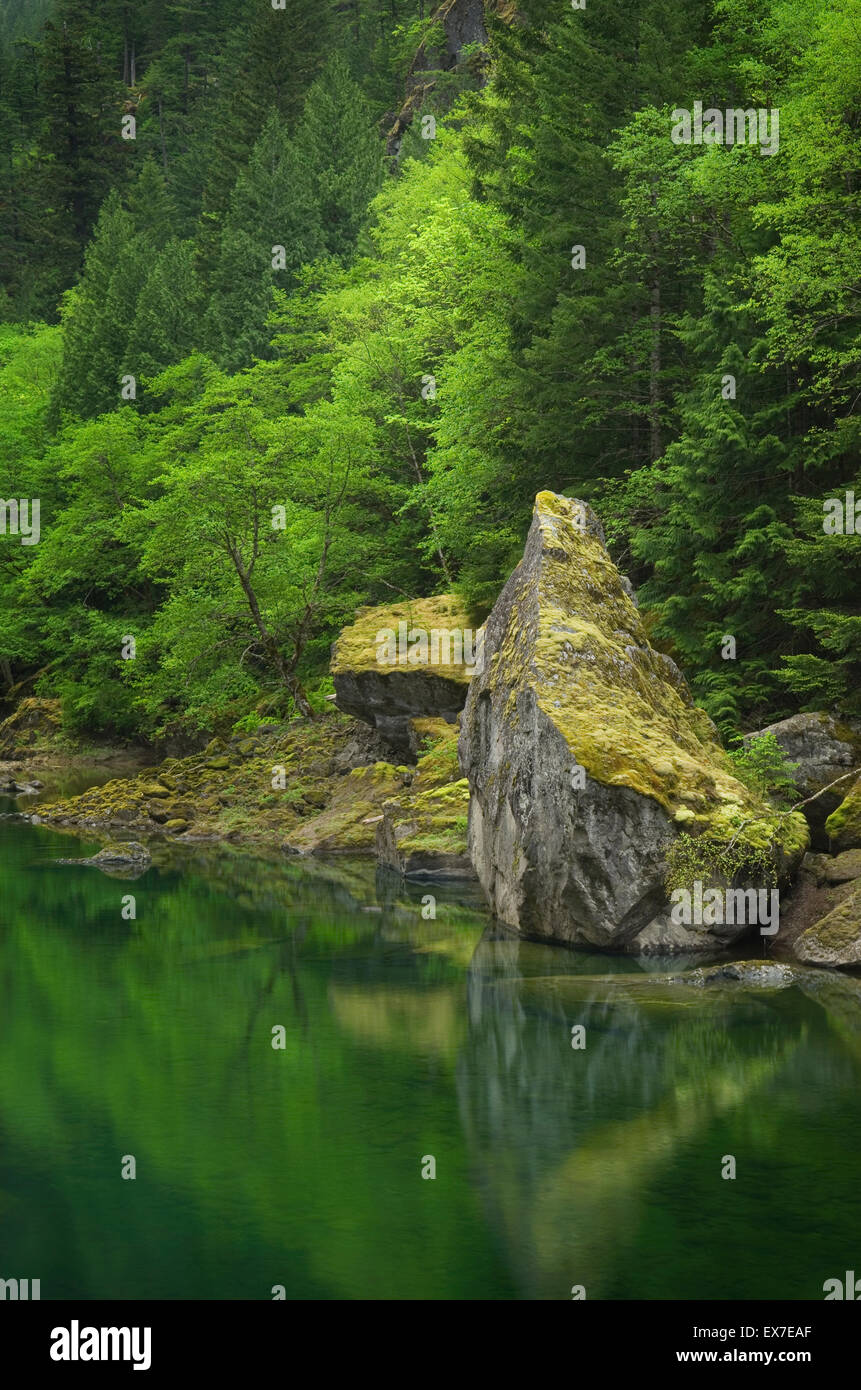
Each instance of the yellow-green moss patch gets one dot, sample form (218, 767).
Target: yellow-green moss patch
(844, 825)
(577, 641)
(356, 649)
(430, 817)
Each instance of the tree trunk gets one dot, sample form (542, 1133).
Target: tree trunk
(291, 682)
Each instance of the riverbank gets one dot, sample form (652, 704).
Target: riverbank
(310, 787)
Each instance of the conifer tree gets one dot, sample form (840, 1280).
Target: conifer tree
(282, 52)
(166, 324)
(81, 149)
(309, 196)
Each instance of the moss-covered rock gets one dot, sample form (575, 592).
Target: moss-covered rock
(34, 723)
(836, 939)
(422, 669)
(843, 826)
(257, 800)
(422, 833)
(841, 868)
(118, 860)
(348, 824)
(585, 754)
(824, 748)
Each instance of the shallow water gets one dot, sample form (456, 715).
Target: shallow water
(405, 1038)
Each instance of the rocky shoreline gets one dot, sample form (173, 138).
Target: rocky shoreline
(569, 771)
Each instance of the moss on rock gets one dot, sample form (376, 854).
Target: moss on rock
(843, 826)
(348, 824)
(623, 708)
(421, 667)
(423, 832)
(35, 723)
(356, 648)
(258, 799)
(835, 940)
(586, 755)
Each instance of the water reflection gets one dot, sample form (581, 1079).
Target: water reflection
(403, 1037)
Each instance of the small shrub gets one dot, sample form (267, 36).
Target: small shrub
(764, 768)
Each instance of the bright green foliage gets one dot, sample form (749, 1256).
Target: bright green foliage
(762, 765)
(425, 355)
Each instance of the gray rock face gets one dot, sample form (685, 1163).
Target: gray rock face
(835, 940)
(585, 866)
(406, 661)
(390, 702)
(424, 865)
(824, 748)
(463, 21)
(362, 747)
(584, 753)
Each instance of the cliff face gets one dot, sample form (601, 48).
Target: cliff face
(464, 23)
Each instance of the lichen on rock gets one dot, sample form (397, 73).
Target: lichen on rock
(388, 683)
(585, 753)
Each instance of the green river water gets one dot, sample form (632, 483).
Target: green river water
(405, 1038)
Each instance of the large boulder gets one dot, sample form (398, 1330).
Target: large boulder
(586, 757)
(405, 661)
(824, 748)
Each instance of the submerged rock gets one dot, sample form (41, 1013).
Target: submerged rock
(586, 756)
(406, 661)
(749, 974)
(119, 861)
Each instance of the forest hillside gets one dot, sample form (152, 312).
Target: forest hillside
(300, 307)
